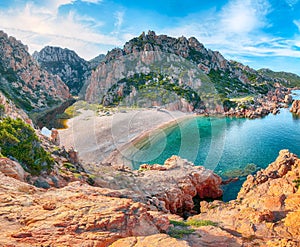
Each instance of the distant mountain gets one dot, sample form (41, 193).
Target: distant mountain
(65, 63)
(289, 79)
(150, 65)
(96, 61)
(22, 80)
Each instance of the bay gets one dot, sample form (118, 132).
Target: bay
(228, 146)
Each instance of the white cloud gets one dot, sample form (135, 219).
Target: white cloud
(297, 23)
(237, 31)
(118, 22)
(119, 16)
(244, 16)
(41, 25)
(92, 1)
(291, 3)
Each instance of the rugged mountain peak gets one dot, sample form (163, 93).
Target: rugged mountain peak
(65, 63)
(185, 60)
(96, 61)
(23, 81)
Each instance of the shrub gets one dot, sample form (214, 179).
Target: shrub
(18, 140)
(297, 181)
(179, 233)
(198, 223)
(178, 223)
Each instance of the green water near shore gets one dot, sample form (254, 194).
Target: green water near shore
(225, 145)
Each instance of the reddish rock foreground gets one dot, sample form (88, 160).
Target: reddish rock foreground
(266, 212)
(76, 215)
(82, 215)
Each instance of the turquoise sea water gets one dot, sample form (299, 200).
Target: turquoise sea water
(224, 145)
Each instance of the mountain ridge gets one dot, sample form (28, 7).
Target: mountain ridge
(72, 69)
(22, 80)
(229, 78)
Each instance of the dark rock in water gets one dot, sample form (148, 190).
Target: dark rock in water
(242, 172)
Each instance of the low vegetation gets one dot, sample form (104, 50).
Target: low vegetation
(19, 141)
(297, 182)
(289, 79)
(182, 228)
(198, 223)
(180, 232)
(152, 86)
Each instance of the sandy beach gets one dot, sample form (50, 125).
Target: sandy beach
(95, 137)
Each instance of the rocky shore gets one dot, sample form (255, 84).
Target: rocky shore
(255, 107)
(129, 208)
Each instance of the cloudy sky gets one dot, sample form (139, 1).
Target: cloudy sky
(259, 33)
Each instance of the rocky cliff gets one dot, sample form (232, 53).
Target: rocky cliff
(266, 212)
(65, 63)
(171, 187)
(181, 63)
(96, 61)
(9, 109)
(23, 81)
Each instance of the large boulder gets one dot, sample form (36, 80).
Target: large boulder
(170, 187)
(179, 183)
(296, 107)
(12, 169)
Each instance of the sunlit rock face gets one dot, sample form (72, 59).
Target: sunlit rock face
(65, 63)
(22, 80)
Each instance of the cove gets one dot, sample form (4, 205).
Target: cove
(228, 146)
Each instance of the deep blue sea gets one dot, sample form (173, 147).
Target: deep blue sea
(225, 145)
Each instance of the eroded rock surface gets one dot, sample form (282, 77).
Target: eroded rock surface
(71, 216)
(266, 213)
(267, 207)
(170, 188)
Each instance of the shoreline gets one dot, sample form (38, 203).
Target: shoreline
(115, 158)
(108, 136)
(96, 137)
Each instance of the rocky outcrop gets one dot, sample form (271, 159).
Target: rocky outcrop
(12, 169)
(262, 105)
(10, 110)
(266, 212)
(22, 80)
(96, 61)
(267, 207)
(71, 216)
(169, 188)
(65, 63)
(157, 240)
(272, 176)
(296, 107)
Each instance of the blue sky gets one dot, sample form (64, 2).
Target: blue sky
(259, 33)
